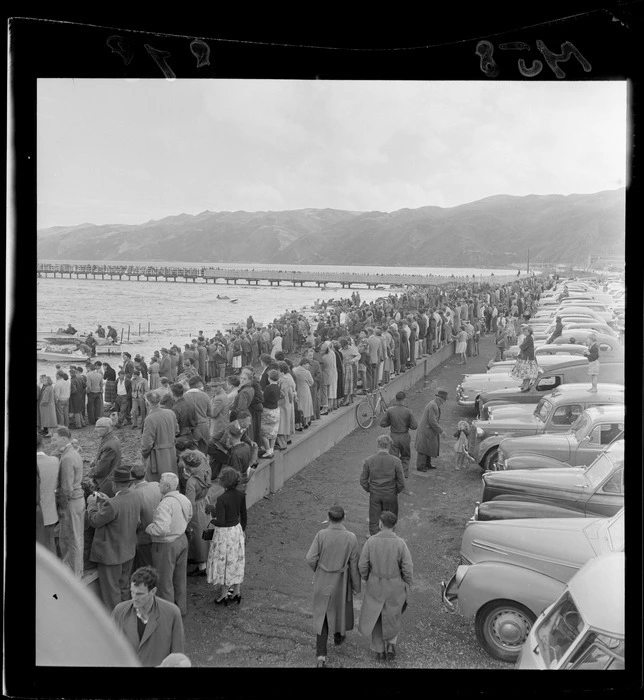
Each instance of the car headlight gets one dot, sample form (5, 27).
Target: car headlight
(480, 432)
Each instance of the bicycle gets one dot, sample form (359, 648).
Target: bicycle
(372, 405)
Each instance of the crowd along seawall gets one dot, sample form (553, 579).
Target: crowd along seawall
(271, 474)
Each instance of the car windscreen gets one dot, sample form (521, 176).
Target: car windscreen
(599, 470)
(581, 425)
(543, 410)
(558, 630)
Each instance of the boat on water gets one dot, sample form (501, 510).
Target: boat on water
(58, 353)
(103, 346)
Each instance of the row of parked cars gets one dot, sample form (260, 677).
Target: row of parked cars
(542, 565)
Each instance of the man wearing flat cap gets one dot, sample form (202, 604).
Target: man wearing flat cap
(429, 432)
(108, 456)
(114, 545)
(333, 556)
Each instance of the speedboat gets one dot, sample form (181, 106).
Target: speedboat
(57, 353)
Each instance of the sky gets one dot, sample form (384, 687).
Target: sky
(127, 151)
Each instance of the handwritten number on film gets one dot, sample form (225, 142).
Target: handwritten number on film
(485, 52)
(199, 49)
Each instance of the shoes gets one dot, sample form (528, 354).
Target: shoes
(391, 651)
(338, 639)
(289, 442)
(197, 572)
(321, 663)
(235, 599)
(421, 470)
(381, 656)
(268, 455)
(299, 430)
(222, 601)
(431, 466)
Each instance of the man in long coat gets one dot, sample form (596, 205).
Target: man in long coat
(333, 556)
(157, 441)
(386, 567)
(108, 457)
(429, 432)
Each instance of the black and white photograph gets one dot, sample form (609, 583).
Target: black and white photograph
(330, 372)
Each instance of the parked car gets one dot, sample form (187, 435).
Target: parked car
(545, 362)
(570, 372)
(555, 413)
(601, 311)
(595, 429)
(574, 337)
(512, 570)
(608, 354)
(583, 630)
(562, 492)
(472, 385)
(571, 324)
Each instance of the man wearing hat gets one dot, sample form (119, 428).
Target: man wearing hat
(108, 456)
(400, 420)
(333, 556)
(114, 545)
(557, 331)
(158, 439)
(429, 432)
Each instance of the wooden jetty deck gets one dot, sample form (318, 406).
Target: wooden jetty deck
(249, 276)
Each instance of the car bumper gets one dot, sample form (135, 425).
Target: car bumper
(449, 596)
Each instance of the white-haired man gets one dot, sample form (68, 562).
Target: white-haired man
(169, 541)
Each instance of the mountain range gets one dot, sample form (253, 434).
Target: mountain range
(494, 232)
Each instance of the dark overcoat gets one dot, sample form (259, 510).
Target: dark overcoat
(429, 430)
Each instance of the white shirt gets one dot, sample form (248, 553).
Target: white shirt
(120, 388)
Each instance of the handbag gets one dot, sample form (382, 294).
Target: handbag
(207, 534)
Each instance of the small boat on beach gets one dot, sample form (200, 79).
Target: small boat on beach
(222, 296)
(58, 338)
(58, 353)
(234, 301)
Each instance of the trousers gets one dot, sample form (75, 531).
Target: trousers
(94, 406)
(322, 638)
(138, 409)
(377, 504)
(122, 401)
(114, 582)
(72, 534)
(170, 559)
(143, 556)
(377, 641)
(401, 448)
(62, 412)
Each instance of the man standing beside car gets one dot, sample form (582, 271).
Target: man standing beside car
(429, 432)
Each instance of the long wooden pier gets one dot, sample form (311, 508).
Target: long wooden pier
(249, 276)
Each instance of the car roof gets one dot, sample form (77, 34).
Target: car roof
(614, 411)
(569, 348)
(579, 391)
(589, 587)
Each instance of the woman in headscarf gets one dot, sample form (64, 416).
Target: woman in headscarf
(196, 473)
(286, 406)
(330, 371)
(303, 384)
(47, 407)
(526, 367)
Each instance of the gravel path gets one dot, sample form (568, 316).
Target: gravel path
(273, 625)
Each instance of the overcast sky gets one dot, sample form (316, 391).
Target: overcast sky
(117, 151)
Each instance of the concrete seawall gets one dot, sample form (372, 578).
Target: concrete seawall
(271, 474)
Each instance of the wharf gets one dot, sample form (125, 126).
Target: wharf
(249, 276)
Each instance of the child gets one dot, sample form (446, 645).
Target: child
(461, 345)
(460, 448)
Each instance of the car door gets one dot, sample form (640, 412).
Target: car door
(608, 497)
(595, 441)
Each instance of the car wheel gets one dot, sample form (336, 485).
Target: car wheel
(489, 461)
(502, 626)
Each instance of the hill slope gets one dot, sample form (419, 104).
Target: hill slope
(494, 231)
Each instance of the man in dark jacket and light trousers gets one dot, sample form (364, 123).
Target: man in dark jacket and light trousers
(333, 556)
(383, 479)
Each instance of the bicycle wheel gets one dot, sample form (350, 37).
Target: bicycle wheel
(364, 414)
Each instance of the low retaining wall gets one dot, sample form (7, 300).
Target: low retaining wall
(271, 474)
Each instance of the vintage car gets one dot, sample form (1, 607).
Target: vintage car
(583, 630)
(595, 429)
(562, 492)
(545, 362)
(577, 336)
(569, 372)
(555, 413)
(511, 570)
(472, 385)
(573, 323)
(599, 309)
